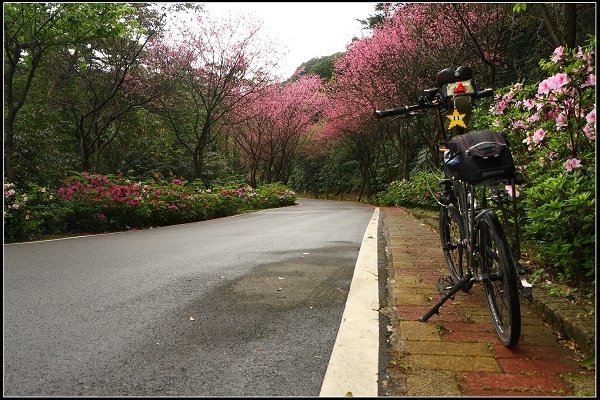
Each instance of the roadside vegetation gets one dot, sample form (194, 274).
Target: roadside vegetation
(87, 204)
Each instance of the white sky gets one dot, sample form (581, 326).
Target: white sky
(303, 30)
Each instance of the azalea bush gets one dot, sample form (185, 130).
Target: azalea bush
(88, 203)
(552, 130)
(27, 213)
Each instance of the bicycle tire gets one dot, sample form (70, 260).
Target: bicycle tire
(452, 235)
(499, 279)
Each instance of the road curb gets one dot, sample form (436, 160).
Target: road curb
(354, 363)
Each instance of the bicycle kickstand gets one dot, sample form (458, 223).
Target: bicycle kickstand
(436, 308)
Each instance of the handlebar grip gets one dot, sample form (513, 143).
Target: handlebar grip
(484, 93)
(391, 112)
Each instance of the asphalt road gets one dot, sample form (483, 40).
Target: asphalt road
(241, 306)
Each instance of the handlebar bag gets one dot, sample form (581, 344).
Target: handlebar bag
(479, 156)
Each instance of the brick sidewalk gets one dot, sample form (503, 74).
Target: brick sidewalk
(457, 353)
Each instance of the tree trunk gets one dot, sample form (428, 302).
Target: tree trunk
(570, 29)
(550, 26)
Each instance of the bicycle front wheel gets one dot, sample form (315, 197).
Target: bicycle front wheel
(452, 234)
(499, 279)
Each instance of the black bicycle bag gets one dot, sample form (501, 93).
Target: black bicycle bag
(479, 156)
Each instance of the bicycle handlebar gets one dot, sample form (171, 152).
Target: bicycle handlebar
(391, 112)
(484, 93)
(425, 102)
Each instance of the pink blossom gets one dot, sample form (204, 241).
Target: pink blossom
(552, 99)
(552, 114)
(101, 216)
(561, 120)
(529, 104)
(9, 193)
(544, 87)
(15, 206)
(534, 118)
(584, 56)
(591, 117)
(571, 164)
(589, 132)
(500, 106)
(509, 190)
(518, 124)
(589, 81)
(558, 54)
(559, 80)
(553, 83)
(538, 136)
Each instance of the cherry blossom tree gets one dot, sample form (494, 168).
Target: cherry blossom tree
(393, 66)
(274, 125)
(213, 65)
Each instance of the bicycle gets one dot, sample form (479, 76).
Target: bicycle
(476, 211)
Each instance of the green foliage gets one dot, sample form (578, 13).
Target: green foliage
(333, 173)
(379, 18)
(31, 212)
(565, 201)
(320, 66)
(421, 190)
(589, 363)
(219, 170)
(519, 7)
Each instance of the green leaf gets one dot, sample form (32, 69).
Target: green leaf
(589, 363)
(519, 7)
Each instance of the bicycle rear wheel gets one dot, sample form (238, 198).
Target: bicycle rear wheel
(452, 234)
(499, 279)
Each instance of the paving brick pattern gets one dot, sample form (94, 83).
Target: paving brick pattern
(457, 352)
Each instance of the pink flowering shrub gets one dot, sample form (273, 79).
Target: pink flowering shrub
(88, 203)
(552, 130)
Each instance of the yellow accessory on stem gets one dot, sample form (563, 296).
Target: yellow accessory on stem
(456, 119)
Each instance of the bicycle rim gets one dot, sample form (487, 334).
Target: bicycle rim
(451, 236)
(499, 280)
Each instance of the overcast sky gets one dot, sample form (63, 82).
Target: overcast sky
(304, 30)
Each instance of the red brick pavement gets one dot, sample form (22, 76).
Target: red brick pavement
(457, 352)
